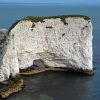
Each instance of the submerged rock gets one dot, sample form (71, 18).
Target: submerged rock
(54, 42)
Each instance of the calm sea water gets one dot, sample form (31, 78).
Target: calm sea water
(50, 85)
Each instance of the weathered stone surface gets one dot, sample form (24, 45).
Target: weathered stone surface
(13, 85)
(3, 47)
(53, 42)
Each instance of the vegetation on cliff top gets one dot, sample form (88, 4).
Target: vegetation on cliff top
(41, 19)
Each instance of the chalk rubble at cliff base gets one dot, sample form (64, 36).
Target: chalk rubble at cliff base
(55, 42)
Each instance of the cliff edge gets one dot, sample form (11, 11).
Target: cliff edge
(59, 42)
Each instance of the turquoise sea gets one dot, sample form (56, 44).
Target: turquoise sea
(50, 85)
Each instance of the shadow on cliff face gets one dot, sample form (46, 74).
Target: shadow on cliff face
(59, 59)
(38, 63)
(3, 48)
(3, 38)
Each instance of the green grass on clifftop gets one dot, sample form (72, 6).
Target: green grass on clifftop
(41, 19)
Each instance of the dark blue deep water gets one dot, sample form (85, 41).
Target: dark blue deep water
(50, 85)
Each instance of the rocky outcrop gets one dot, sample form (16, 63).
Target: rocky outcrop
(12, 85)
(54, 42)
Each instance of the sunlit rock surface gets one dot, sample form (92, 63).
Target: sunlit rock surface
(51, 41)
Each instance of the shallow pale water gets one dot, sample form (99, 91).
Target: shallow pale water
(50, 85)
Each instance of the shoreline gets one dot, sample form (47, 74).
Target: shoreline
(16, 84)
(32, 70)
(11, 86)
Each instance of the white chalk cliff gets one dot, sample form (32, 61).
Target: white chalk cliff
(56, 41)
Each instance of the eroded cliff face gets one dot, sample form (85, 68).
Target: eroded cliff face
(55, 42)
